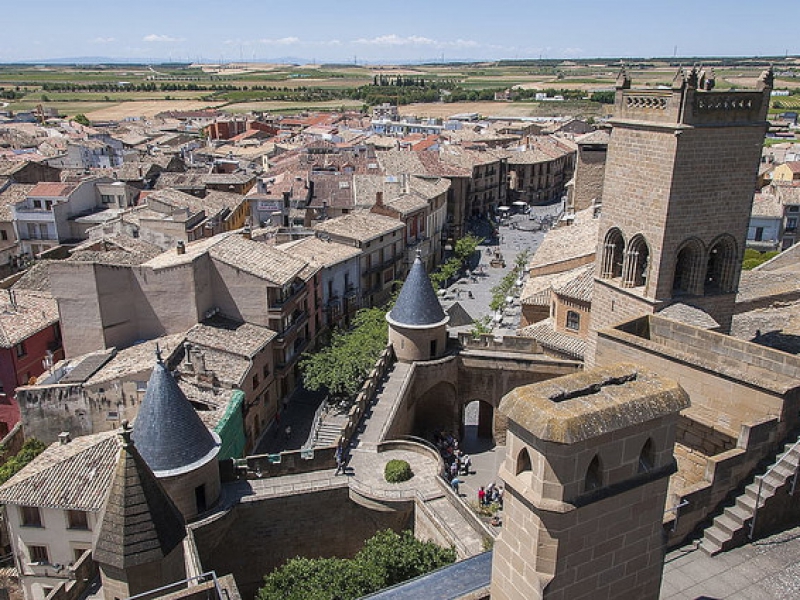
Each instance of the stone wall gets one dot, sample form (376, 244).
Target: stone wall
(589, 176)
(269, 532)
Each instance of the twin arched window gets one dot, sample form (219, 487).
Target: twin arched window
(697, 271)
(573, 320)
(630, 263)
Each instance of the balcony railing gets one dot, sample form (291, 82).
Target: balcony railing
(294, 293)
(299, 320)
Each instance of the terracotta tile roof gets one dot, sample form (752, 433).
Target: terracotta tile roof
(73, 476)
(16, 192)
(766, 205)
(241, 339)
(117, 249)
(794, 166)
(36, 278)
(579, 287)
(544, 333)
(690, 315)
(599, 137)
(325, 253)
(135, 359)
(52, 190)
(573, 241)
(362, 227)
(24, 313)
(260, 260)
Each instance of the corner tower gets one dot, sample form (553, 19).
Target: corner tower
(588, 460)
(139, 545)
(417, 322)
(680, 176)
(176, 445)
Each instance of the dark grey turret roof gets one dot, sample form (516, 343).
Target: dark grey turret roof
(417, 304)
(139, 524)
(168, 432)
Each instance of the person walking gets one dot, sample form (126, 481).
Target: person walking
(339, 461)
(454, 484)
(481, 496)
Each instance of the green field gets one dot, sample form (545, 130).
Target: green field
(111, 89)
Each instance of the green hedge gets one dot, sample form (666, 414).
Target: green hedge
(397, 471)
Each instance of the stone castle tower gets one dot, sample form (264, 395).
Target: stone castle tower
(177, 446)
(679, 183)
(587, 466)
(139, 545)
(417, 322)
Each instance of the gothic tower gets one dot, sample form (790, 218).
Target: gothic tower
(588, 460)
(679, 183)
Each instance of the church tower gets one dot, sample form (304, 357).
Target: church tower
(679, 183)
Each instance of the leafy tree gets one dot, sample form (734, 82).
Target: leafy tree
(82, 119)
(30, 450)
(342, 365)
(386, 559)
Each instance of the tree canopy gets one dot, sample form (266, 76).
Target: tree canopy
(30, 450)
(386, 559)
(342, 365)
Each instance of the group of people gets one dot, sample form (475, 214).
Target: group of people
(490, 494)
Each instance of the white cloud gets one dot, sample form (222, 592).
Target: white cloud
(285, 41)
(160, 38)
(415, 40)
(103, 40)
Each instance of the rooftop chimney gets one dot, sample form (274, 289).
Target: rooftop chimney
(64, 438)
(181, 247)
(378, 198)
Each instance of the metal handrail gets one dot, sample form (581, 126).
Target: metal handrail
(316, 423)
(761, 478)
(674, 510)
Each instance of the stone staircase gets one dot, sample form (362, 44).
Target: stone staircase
(330, 430)
(468, 540)
(732, 527)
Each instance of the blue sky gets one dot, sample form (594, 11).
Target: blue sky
(405, 30)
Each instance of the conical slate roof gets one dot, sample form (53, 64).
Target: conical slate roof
(168, 432)
(417, 305)
(140, 524)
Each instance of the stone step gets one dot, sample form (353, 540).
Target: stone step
(710, 547)
(457, 524)
(727, 524)
(740, 514)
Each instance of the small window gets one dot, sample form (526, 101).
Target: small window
(594, 475)
(647, 457)
(265, 371)
(3, 234)
(255, 381)
(20, 349)
(39, 554)
(523, 462)
(31, 517)
(573, 320)
(77, 519)
(37, 204)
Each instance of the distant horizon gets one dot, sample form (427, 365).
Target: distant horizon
(362, 32)
(300, 61)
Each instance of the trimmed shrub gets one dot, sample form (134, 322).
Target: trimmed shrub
(397, 471)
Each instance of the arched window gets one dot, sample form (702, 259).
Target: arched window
(523, 462)
(573, 320)
(647, 457)
(594, 475)
(637, 263)
(721, 267)
(687, 278)
(613, 254)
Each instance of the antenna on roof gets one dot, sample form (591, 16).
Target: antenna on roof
(158, 354)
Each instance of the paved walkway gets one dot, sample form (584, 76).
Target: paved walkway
(765, 570)
(511, 243)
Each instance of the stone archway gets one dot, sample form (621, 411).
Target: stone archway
(436, 411)
(477, 424)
